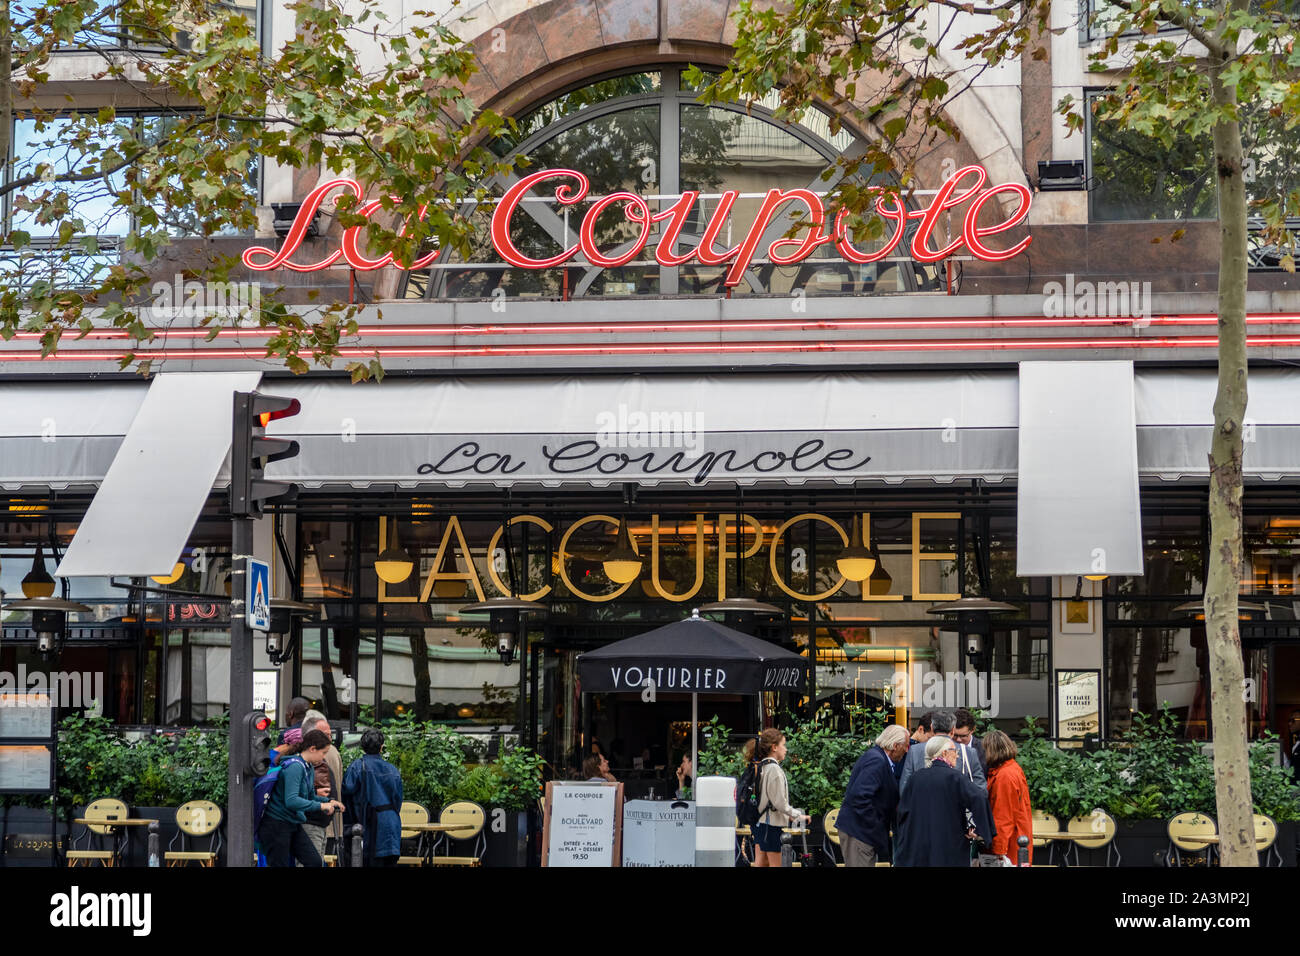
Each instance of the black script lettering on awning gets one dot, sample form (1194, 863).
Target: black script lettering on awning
(474, 459)
(590, 456)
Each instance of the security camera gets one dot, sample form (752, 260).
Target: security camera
(272, 644)
(972, 644)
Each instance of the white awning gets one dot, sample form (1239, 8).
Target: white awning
(1175, 414)
(879, 427)
(687, 429)
(144, 511)
(1077, 508)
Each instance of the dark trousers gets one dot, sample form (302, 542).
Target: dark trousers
(284, 842)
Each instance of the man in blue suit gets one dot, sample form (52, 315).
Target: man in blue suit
(867, 815)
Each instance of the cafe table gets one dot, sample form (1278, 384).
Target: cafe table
(127, 822)
(434, 828)
(1071, 840)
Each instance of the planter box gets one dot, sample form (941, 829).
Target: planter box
(507, 838)
(27, 838)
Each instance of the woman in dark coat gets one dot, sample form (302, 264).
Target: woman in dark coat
(373, 789)
(932, 824)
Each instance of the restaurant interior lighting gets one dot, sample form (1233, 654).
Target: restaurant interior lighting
(394, 565)
(855, 562)
(880, 581)
(1095, 577)
(623, 564)
(449, 587)
(38, 583)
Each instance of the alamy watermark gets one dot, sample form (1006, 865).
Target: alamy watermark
(634, 428)
(930, 690)
(1082, 300)
(64, 688)
(191, 299)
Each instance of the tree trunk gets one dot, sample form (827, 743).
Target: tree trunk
(1227, 673)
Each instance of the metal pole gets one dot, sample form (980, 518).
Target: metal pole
(240, 819)
(1024, 850)
(155, 858)
(695, 740)
(787, 850)
(356, 845)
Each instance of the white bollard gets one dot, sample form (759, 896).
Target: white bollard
(715, 821)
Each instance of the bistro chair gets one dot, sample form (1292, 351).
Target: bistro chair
(832, 839)
(471, 818)
(744, 835)
(1101, 828)
(1044, 822)
(1183, 830)
(107, 809)
(1266, 840)
(413, 813)
(195, 820)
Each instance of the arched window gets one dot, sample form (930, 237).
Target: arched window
(646, 134)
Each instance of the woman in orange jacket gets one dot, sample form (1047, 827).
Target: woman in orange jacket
(1008, 797)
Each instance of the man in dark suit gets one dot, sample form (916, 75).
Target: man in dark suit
(934, 828)
(968, 761)
(867, 814)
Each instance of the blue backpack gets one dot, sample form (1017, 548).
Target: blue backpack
(263, 788)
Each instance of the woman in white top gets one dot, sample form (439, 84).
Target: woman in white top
(774, 810)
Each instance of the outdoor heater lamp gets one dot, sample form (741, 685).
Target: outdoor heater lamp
(49, 618)
(880, 581)
(394, 565)
(503, 614)
(623, 564)
(38, 583)
(283, 611)
(855, 562)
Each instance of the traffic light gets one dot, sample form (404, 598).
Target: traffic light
(251, 451)
(257, 727)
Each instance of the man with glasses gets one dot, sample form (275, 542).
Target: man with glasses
(966, 759)
(964, 732)
(943, 812)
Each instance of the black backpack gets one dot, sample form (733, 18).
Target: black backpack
(747, 794)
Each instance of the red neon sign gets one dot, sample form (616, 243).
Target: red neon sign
(964, 188)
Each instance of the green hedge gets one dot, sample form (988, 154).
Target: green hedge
(168, 769)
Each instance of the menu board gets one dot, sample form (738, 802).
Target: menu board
(658, 833)
(266, 692)
(26, 769)
(26, 717)
(1078, 704)
(583, 824)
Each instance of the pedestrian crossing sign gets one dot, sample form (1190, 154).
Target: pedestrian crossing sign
(259, 595)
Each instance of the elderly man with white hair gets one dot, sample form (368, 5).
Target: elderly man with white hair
(867, 814)
(942, 812)
(329, 783)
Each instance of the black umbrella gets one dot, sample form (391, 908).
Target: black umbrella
(692, 656)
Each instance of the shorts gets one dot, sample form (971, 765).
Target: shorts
(767, 837)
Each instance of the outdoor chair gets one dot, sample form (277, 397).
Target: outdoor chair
(413, 813)
(1266, 840)
(195, 820)
(1184, 829)
(470, 817)
(831, 842)
(1045, 823)
(106, 809)
(1102, 825)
